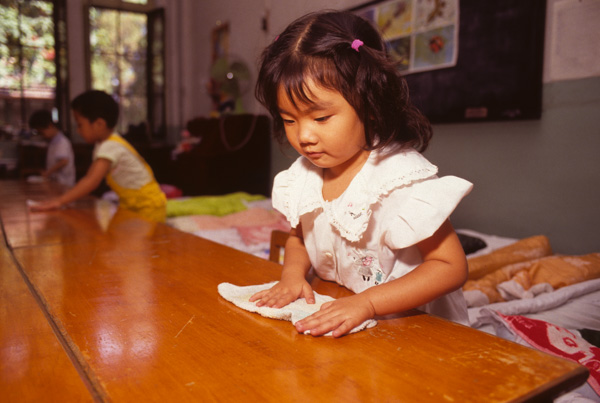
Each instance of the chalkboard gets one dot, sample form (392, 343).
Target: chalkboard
(498, 74)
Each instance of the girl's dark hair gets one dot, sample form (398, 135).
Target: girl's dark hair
(95, 104)
(318, 47)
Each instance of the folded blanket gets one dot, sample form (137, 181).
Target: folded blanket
(249, 217)
(295, 311)
(532, 277)
(212, 205)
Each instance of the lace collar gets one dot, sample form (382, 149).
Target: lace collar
(384, 171)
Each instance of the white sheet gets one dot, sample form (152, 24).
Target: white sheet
(493, 242)
(573, 307)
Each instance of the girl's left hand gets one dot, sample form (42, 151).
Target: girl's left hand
(339, 316)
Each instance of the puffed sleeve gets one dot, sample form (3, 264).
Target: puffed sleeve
(413, 214)
(296, 191)
(280, 194)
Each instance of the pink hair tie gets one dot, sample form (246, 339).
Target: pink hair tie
(356, 44)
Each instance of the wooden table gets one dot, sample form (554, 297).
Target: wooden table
(33, 364)
(136, 308)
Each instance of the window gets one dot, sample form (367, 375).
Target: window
(126, 54)
(32, 62)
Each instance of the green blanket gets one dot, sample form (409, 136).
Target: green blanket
(210, 205)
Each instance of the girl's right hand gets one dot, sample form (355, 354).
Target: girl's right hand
(284, 293)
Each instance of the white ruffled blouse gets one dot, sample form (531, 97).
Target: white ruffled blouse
(368, 235)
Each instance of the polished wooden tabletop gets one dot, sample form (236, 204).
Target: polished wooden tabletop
(136, 309)
(34, 367)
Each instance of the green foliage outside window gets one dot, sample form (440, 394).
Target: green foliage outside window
(27, 49)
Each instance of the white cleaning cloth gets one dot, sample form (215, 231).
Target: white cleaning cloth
(293, 312)
(36, 179)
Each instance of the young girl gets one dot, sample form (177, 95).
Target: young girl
(127, 173)
(366, 208)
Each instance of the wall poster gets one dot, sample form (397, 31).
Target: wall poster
(421, 34)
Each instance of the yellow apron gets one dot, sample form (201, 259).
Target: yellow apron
(149, 200)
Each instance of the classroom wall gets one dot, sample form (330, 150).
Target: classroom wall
(532, 177)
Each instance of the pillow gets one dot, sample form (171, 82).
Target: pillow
(520, 251)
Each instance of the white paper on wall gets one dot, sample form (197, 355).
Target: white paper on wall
(573, 50)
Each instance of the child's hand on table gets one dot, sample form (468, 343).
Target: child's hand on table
(283, 293)
(53, 204)
(339, 316)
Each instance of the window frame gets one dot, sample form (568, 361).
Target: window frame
(155, 94)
